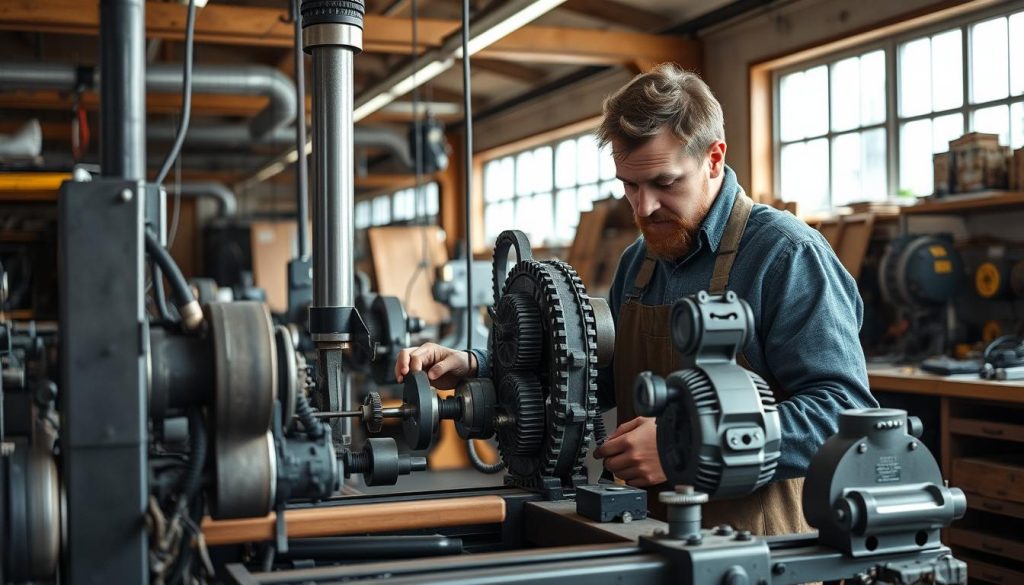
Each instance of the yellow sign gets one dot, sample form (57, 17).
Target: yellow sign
(943, 267)
(938, 251)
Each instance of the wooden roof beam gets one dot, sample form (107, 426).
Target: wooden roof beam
(240, 25)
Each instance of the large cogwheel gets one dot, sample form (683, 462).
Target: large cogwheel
(567, 362)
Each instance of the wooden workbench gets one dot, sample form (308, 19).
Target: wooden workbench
(981, 441)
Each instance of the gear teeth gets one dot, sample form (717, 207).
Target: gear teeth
(522, 398)
(518, 332)
(374, 407)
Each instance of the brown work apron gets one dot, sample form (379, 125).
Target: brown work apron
(773, 509)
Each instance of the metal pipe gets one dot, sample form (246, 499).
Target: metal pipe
(332, 176)
(227, 204)
(123, 92)
(301, 179)
(211, 79)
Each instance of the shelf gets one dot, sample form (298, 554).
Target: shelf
(981, 201)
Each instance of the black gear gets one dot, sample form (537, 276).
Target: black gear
(568, 363)
(517, 332)
(521, 427)
(373, 412)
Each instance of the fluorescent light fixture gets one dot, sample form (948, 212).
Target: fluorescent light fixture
(501, 23)
(486, 31)
(397, 85)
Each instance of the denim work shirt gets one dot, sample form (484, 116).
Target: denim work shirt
(807, 317)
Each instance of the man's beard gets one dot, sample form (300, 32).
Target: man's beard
(670, 236)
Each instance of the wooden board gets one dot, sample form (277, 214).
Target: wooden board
(854, 237)
(273, 246)
(830, 228)
(396, 252)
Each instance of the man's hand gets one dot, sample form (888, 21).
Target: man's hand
(631, 453)
(445, 367)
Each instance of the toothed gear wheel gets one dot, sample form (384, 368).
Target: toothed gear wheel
(521, 430)
(373, 412)
(517, 331)
(567, 366)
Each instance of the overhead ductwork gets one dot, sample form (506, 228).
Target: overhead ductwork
(229, 135)
(279, 114)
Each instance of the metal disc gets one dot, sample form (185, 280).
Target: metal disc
(605, 325)
(419, 428)
(290, 380)
(246, 475)
(246, 368)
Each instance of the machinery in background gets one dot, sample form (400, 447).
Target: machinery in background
(922, 277)
(450, 289)
(994, 302)
(30, 510)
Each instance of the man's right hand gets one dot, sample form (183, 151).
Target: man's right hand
(445, 367)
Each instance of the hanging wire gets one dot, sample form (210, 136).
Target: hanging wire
(419, 202)
(186, 94)
(467, 114)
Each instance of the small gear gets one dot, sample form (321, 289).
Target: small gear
(683, 495)
(518, 332)
(521, 398)
(373, 412)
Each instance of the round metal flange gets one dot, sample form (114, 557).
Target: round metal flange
(605, 326)
(291, 379)
(246, 477)
(246, 368)
(332, 34)
(33, 514)
(419, 425)
(382, 455)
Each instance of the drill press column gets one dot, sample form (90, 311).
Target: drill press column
(332, 33)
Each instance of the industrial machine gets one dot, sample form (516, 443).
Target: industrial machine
(200, 445)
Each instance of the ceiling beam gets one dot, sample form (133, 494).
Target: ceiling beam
(615, 12)
(508, 69)
(250, 26)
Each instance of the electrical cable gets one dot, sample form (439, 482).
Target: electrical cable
(186, 94)
(172, 232)
(180, 290)
(160, 296)
(467, 109)
(301, 170)
(478, 463)
(418, 201)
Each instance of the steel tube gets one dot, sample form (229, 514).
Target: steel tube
(332, 176)
(123, 89)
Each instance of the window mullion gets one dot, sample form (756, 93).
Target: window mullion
(892, 123)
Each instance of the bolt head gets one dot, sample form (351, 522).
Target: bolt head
(126, 195)
(862, 448)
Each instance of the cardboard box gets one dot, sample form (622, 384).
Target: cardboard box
(1017, 166)
(978, 162)
(940, 164)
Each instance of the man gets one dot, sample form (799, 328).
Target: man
(701, 232)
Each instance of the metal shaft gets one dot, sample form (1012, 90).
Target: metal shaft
(333, 225)
(123, 89)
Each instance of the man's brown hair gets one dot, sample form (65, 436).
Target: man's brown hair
(667, 95)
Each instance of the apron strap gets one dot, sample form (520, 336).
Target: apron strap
(643, 278)
(729, 245)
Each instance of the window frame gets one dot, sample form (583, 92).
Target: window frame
(530, 146)
(893, 121)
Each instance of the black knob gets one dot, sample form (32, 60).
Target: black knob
(650, 395)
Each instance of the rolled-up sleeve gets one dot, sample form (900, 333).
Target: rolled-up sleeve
(811, 319)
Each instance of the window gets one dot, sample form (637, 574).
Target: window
(401, 207)
(543, 190)
(864, 126)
